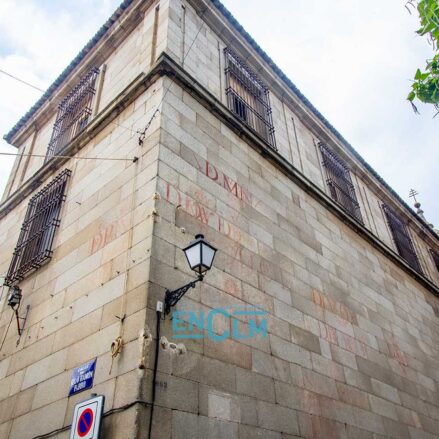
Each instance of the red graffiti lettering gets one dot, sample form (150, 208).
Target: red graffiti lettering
(223, 180)
(209, 168)
(335, 307)
(202, 215)
(328, 333)
(232, 188)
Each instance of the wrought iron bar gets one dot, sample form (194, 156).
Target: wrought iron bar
(172, 297)
(402, 239)
(34, 246)
(435, 256)
(248, 97)
(73, 113)
(339, 182)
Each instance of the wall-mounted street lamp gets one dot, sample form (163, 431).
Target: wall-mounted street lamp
(14, 297)
(14, 300)
(199, 254)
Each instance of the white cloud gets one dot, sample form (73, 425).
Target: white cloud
(353, 59)
(38, 42)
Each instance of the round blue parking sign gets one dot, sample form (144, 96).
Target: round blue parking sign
(87, 418)
(85, 422)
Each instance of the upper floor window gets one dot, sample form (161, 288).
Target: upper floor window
(435, 256)
(339, 182)
(73, 113)
(248, 97)
(401, 238)
(34, 246)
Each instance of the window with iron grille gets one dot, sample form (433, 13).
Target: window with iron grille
(34, 246)
(248, 97)
(73, 113)
(402, 239)
(435, 256)
(339, 182)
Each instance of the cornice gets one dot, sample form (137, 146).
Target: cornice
(230, 30)
(166, 66)
(196, 90)
(114, 31)
(140, 84)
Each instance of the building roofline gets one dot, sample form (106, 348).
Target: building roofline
(236, 25)
(234, 22)
(69, 69)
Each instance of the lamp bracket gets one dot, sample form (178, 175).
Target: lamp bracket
(172, 297)
(20, 327)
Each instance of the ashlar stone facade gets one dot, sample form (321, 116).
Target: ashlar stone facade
(345, 344)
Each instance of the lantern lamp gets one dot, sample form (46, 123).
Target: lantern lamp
(200, 255)
(14, 297)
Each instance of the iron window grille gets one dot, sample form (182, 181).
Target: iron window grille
(34, 246)
(402, 239)
(339, 182)
(73, 113)
(248, 97)
(435, 256)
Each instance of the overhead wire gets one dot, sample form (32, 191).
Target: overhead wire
(125, 128)
(157, 110)
(42, 90)
(22, 81)
(108, 413)
(158, 313)
(6, 331)
(133, 159)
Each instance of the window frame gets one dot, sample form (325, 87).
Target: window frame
(42, 219)
(74, 113)
(435, 257)
(339, 182)
(400, 232)
(248, 97)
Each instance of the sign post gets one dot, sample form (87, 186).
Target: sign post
(87, 418)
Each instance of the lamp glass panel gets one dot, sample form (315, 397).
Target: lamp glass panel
(208, 255)
(193, 255)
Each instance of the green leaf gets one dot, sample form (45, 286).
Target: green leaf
(411, 96)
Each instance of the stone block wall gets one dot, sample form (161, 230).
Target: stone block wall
(98, 272)
(350, 346)
(191, 26)
(350, 350)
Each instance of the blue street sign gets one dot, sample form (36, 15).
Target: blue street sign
(82, 377)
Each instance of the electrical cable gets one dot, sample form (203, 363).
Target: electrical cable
(143, 132)
(117, 345)
(126, 128)
(6, 332)
(158, 313)
(154, 375)
(110, 412)
(157, 110)
(134, 159)
(39, 89)
(21, 80)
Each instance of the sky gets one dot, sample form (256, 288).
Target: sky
(352, 59)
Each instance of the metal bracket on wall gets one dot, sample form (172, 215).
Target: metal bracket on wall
(21, 327)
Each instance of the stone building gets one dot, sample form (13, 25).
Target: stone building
(171, 122)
